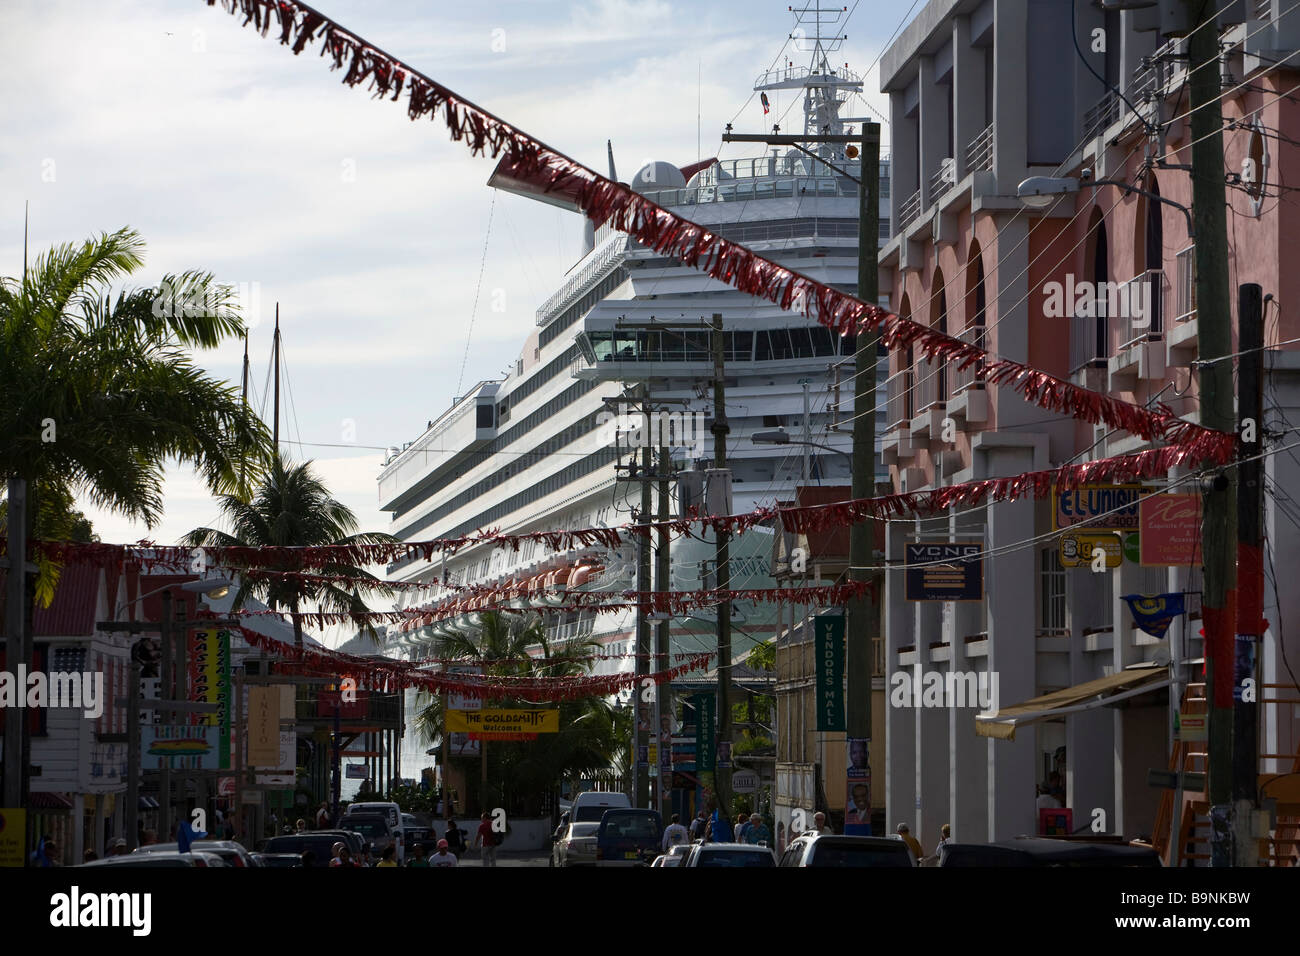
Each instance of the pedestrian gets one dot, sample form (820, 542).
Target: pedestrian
(300, 826)
(913, 844)
(820, 825)
(442, 857)
(560, 830)
(758, 833)
(343, 856)
(419, 858)
(89, 855)
(389, 857)
(487, 839)
(742, 826)
(455, 838)
(720, 828)
(322, 817)
(945, 836)
(674, 834)
(367, 859)
(697, 826)
(117, 847)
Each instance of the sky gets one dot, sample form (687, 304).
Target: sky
(230, 155)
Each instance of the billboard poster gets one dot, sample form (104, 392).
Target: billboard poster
(944, 571)
(706, 706)
(1171, 531)
(829, 632)
(209, 677)
(1103, 507)
(857, 806)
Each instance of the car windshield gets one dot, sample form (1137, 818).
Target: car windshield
(638, 826)
(583, 830)
(369, 828)
(734, 858)
(590, 814)
(848, 855)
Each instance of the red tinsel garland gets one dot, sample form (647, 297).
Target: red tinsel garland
(603, 200)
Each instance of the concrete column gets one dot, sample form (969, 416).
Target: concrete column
(1089, 743)
(1009, 108)
(1012, 770)
(968, 753)
(1010, 319)
(934, 125)
(900, 724)
(968, 67)
(902, 158)
(933, 758)
(1280, 724)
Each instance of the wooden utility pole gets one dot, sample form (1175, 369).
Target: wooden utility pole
(663, 692)
(641, 782)
(722, 775)
(1214, 341)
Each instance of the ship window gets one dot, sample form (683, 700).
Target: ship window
(823, 344)
(801, 343)
(697, 347)
(486, 416)
(741, 346)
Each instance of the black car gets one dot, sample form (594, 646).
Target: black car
(629, 837)
(1041, 851)
(321, 844)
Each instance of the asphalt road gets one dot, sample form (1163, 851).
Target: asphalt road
(512, 858)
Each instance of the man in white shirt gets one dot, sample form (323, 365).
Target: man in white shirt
(442, 857)
(674, 834)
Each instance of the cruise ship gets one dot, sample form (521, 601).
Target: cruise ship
(537, 450)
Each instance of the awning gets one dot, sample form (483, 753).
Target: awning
(1086, 696)
(148, 803)
(47, 800)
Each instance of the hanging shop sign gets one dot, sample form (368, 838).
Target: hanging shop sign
(944, 571)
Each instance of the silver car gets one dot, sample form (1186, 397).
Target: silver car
(730, 854)
(675, 856)
(577, 847)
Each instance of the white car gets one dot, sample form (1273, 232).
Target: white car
(729, 854)
(674, 857)
(389, 810)
(577, 847)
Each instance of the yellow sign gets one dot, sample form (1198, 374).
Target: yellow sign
(1079, 548)
(503, 721)
(13, 837)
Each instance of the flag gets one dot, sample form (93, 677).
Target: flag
(1155, 614)
(185, 836)
(766, 105)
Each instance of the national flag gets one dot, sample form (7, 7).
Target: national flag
(766, 105)
(1154, 614)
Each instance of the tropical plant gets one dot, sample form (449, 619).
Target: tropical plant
(97, 394)
(293, 508)
(593, 734)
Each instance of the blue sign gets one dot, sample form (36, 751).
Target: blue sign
(944, 571)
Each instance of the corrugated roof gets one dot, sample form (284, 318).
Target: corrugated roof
(72, 613)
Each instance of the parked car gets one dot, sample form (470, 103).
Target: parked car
(1044, 851)
(674, 856)
(391, 811)
(729, 854)
(319, 842)
(172, 859)
(577, 847)
(374, 829)
(233, 853)
(827, 849)
(355, 843)
(277, 860)
(589, 806)
(413, 832)
(628, 837)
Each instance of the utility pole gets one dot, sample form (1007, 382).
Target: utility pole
(168, 716)
(1250, 574)
(663, 693)
(1214, 341)
(641, 782)
(722, 775)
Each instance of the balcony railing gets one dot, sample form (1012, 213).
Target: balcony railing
(979, 154)
(898, 400)
(962, 379)
(1099, 117)
(1139, 307)
(1087, 342)
(942, 180)
(1184, 291)
(931, 384)
(910, 209)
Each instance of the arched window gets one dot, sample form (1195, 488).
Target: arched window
(937, 368)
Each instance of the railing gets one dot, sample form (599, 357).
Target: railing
(964, 378)
(787, 73)
(744, 190)
(1263, 10)
(979, 154)
(898, 400)
(1185, 285)
(910, 209)
(931, 384)
(1085, 348)
(603, 261)
(1139, 307)
(1099, 117)
(942, 180)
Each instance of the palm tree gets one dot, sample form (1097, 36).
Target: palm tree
(591, 735)
(97, 394)
(293, 508)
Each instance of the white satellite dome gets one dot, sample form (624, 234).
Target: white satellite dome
(657, 175)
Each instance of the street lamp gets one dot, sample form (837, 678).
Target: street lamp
(779, 436)
(1039, 192)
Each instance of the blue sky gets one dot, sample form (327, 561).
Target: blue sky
(230, 154)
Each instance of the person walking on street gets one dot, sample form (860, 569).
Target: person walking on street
(418, 859)
(913, 844)
(455, 838)
(697, 826)
(820, 824)
(442, 857)
(674, 834)
(389, 857)
(322, 817)
(487, 839)
(757, 831)
(741, 828)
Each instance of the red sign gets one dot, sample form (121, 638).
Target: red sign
(327, 700)
(1171, 530)
(502, 736)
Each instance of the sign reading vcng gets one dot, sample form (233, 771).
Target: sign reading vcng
(489, 723)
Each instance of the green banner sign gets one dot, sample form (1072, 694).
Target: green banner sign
(706, 707)
(829, 630)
